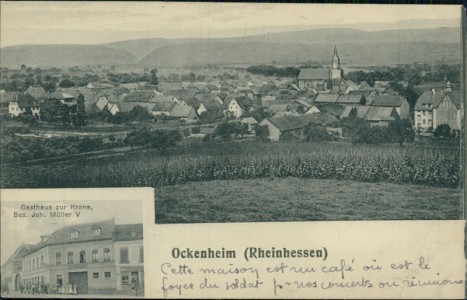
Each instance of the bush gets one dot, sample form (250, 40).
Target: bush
(155, 139)
(227, 130)
(316, 133)
(443, 131)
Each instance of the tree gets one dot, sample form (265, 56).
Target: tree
(401, 130)
(52, 111)
(65, 83)
(191, 77)
(316, 133)
(411, 94)
(80, 112)
(23, 67)
(372, 135)
(157, 139)
(224, 130)
(442, 131)
(262, 132)
(211, 116)
(153, 79)
(140, 114)
(49, 87)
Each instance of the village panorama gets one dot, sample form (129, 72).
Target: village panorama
(322, 137)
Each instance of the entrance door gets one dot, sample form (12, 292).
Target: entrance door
(17, 283)
(135, 276)
(80, 279)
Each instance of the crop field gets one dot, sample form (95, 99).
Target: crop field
(258, 181)
(437, 167)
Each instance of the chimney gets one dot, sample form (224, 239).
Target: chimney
(433, 91)
(44, 238)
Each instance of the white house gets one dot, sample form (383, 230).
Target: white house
(233, 108)
(434, 108)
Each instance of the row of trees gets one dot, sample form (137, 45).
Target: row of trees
(21, 80)
(22, 149)
(268, 70)
(153, 139)
(414, 74)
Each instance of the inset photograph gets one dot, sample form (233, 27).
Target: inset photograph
(62, 249)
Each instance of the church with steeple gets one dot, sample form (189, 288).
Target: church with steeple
(321, 79)
(336, 71)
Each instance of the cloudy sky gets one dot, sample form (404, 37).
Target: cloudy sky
(15, 231)
(91, 23)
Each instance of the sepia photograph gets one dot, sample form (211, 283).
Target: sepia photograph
(241, 112)
(71, 249)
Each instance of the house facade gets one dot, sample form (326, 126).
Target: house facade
(83, 259)
(129, 265)
(12, 269)
(434, 108)
(232, 108)
(24, 103)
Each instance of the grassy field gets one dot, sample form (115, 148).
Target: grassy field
(297, 199)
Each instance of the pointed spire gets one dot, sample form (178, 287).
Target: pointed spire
(335, 49)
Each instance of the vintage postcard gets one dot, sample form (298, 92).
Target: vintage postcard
(291, 150)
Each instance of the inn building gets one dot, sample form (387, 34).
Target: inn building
(92, 258)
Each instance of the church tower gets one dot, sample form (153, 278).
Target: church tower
(336, 62)
(336, 72)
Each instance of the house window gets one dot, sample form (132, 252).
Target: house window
(95, 275)
(106, 254)
(59, 280)
(107, 275)
(58, 258)
(70, 258)
(82, 257)
(95, 254)
(42, 260)
(133, 234)
(141, 254)
(74, 234)
(124, 255)
(96, 231)
(125, 278)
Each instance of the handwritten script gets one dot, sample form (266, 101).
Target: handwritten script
(281, 278)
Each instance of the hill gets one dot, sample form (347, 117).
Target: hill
(202, 53)
(63, 56)
(213, 52)
(345, 35)
(139, 48)
(356, 47)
